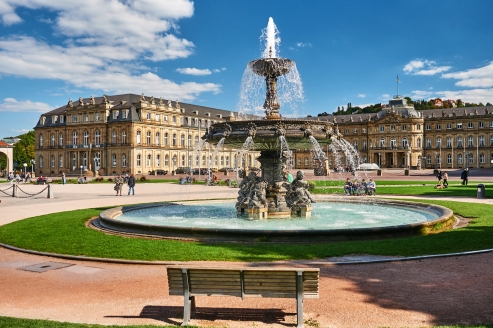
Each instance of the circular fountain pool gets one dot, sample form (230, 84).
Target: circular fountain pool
(331, 219)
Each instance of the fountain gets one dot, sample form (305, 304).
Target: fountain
(269, 195)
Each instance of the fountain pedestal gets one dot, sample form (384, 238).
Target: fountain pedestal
(301, 211)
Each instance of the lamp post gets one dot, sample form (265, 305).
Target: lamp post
(32, 167)
(81, 170)
(25, 170)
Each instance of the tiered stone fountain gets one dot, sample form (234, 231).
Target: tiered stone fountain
(270, 195)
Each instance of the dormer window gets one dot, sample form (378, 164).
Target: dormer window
(115, 114)
(54, 119)
(61, 118)
(125, 113)
(43, 120)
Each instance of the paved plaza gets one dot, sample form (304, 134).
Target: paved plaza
(416, 293)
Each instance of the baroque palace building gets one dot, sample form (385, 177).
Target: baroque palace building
(138, 134)
(127, 134)
(402, 137)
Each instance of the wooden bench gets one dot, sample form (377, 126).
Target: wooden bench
(298, 283)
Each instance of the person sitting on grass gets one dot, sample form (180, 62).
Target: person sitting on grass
(348, 187)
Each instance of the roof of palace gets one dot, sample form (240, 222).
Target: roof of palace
(133, 103)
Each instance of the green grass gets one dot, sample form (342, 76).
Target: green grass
(66, 233)
(431, 182)
(6, 322)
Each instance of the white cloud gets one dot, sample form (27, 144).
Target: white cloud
(424, 67)
(217, 70)
(194, 71)
(14, 105)
(473, 78)
(302, 44)
(421, 94)
(472, 96)
(106, 43)
(385, 96)
(361, 95)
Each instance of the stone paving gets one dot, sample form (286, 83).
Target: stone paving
(416, 293)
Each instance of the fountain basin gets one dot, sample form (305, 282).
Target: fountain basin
(266, 133)
(271, 66)
(217, 221)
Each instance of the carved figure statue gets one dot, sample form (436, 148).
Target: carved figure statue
(169, 104)
(105, 100)
(298, 193)
(307, 130)
(81, 101)
(161, 101)
(246, 185)
(93, 102)
(142, 98)
(70, 103)
(152, 100)
(177, 104)
(257, 196)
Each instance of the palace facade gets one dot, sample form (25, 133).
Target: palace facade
(402, 137)
(138, 134)
(127, 134)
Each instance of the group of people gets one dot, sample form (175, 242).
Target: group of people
(442, 177)
(18, 177)
(357, 188)
(187, 180)
(120, 181)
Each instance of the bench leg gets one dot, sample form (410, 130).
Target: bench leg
(299, 298)
(186, 298)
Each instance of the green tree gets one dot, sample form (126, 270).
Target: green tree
(24, 150)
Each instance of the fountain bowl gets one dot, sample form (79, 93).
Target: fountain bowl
(442, 219)
(266, 133)
(271, 66)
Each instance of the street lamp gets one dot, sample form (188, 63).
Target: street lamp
(32, 167)
(81, 170)
(25, 172)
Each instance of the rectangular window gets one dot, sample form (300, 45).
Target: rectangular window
(125, 114)
(491, 124)
(428, 127)
(404, 127)
(74, 118)
(439, 126)
(470, 125)
(86, 118)
(392, 128)
(115, 115)
(148, 116)
(481, 125)
(355, 131)
(158, 117)
(382, 128)
(449, 126)
(61, 118)
(418, 127)
(459, 125)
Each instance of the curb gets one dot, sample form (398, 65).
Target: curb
(120, 261)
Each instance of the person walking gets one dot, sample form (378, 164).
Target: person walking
(118, 185)
(464, 176)
(445, 179)
(64, 178)
(131, 184)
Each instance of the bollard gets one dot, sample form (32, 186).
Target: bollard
(50, 192)
(14, 190)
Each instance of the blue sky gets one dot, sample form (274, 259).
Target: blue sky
(196, 52)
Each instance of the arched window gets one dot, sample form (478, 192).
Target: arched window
(148, 138)
(355, 144)
(158, 160)
(73, 161)
(481, 158)
(52, 140)
(174, 140)
(183, 160)
(449, 159)
(60, 161)
(197, 160)
(40, 141)
(124, 160)
(166, 139)
(227, 161)
(52, 160)
(40, 161)
(166, 160)
(60, 139)
(439, 142)
(382, 143)
(138, 137)
(139, 159)
(404, 142)
(222, 160)
(124, 137)
(203, 160)
(97, 138)
(306, 161)
(298, 161)
(182, 140)
(84, 160)
(459, 159)
(113, 160)
(419, 142)
(149, 160)
(196, 139)
(158, 138)
(74, 138)
(113, 137)
(189, 141)
(86, 138)
(470, 142)
(392, 143)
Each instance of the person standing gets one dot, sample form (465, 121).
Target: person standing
(118, 185)
(64, 178)
(464, 176)
(439, 176)
(131, 184)
(445, 178)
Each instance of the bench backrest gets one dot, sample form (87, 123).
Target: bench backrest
(243, 282)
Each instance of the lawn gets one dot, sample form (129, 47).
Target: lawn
(66, 233)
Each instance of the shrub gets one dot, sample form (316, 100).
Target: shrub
(311, 186)
(143, 179)
(110, 179)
